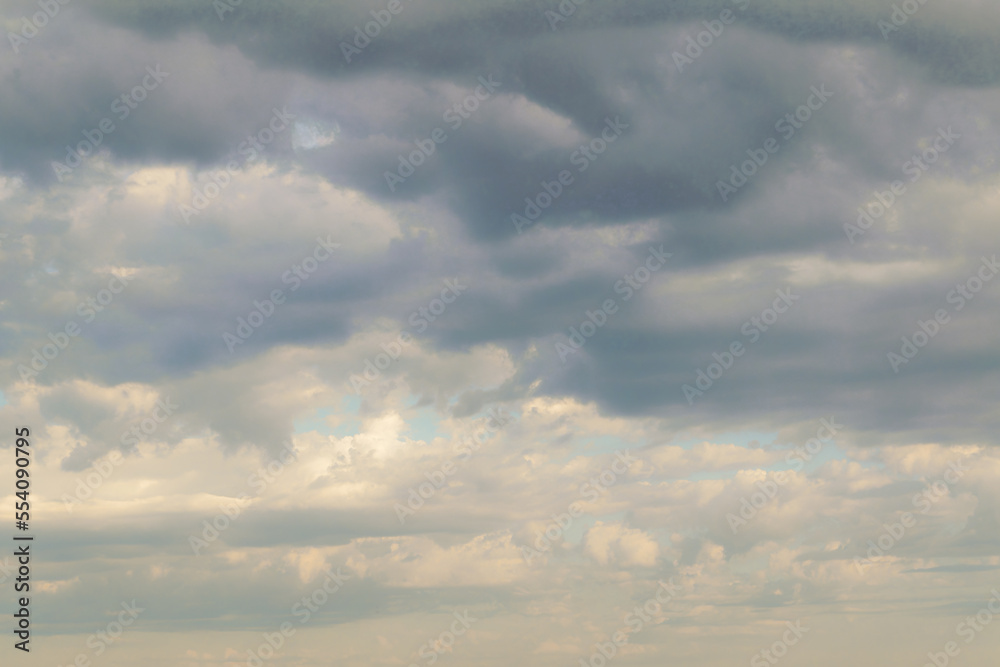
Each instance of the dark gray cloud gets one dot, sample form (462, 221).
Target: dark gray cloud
(685, 132)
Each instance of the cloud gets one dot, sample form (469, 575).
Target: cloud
(234, 247)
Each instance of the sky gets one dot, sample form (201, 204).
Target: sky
(487, 332)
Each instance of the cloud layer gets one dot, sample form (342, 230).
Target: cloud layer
(690, 232)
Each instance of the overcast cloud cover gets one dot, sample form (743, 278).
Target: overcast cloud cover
(577, 307)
